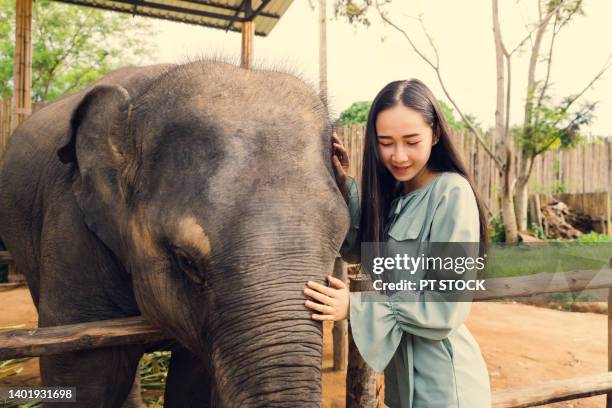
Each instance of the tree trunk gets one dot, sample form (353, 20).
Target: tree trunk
(521, 199)
(507, 202)
(522, 189)
(507, 170)
(522, 192)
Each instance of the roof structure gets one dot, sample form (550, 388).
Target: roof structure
(249, 17)
(221, 14)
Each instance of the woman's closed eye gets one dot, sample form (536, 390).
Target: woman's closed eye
(391, 144)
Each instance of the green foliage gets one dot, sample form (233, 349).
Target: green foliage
(11, 367)
(354, 11)
(554, 126)
(153, 373)
(594, 237)
(497, 234)
(558, 186)
(356, 114)
(71, 46)
(454, 123)
(554, 256)
(537, 231)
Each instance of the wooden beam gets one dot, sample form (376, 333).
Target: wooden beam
(175, 9)
(340, 330)
(537, 284)
(75, 337)
(22, 71)
(545, 282)
(248, 30)
(553, 391)
(323, 50)
(259, 10)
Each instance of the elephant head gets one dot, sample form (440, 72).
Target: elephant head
(214, 189)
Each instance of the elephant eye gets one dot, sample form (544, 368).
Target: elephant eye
(185, 263)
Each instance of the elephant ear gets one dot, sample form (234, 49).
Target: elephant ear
(103, 153)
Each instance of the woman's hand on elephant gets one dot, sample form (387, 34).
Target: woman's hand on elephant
(333, 300)
(340, 161)
(340, 158)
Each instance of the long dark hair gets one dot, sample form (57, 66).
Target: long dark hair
(378, 186)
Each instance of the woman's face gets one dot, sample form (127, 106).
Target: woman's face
(404, 142)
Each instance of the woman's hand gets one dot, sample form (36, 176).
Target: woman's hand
(340, 161)
(333, 300)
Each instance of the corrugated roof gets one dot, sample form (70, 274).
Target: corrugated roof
(221, 14)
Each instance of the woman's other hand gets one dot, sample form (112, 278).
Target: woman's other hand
(333, 300)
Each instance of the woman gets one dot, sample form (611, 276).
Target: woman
(414, 189)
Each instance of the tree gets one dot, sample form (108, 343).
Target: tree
(505, 159)
(455, 124)
(71, 46)
(546, 124)
(356, 114)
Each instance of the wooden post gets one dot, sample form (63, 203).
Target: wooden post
(362, 389)
(248, 32)
(609, 396)
(534, 210)
(22, 72)
(323, 50)
(339, 332)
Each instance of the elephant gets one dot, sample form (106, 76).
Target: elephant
(199, 195)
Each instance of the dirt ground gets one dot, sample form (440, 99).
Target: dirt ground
(522, 344)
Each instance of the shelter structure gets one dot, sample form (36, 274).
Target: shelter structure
(249, 17)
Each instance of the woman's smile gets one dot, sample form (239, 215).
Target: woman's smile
(400, 170)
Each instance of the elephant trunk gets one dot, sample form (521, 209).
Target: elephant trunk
(266, 350)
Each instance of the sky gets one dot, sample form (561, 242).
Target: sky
(362, 60)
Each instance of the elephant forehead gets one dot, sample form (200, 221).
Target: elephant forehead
(191, 234)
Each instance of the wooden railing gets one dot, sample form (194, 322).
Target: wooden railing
(136, 330)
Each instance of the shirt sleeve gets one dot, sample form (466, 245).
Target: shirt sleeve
(377, 326)
(350, 251)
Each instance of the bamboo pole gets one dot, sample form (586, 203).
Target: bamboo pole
(22, 74)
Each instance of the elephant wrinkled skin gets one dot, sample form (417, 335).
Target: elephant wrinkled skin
(202, 197)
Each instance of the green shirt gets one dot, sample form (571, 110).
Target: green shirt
(429, 357)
